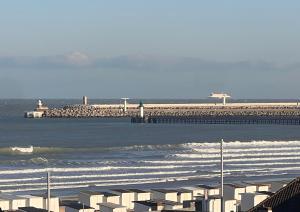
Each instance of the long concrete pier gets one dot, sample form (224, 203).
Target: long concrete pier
(282, 112)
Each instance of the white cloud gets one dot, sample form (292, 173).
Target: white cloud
(77, 58)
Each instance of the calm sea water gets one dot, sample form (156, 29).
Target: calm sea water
(114, 152)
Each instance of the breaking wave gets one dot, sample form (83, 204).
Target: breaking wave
(151, 164)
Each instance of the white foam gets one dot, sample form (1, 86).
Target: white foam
(235, 155)
(86, 169)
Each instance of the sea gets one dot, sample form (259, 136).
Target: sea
(103, 153)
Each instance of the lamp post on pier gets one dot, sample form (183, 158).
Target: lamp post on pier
(222, 176)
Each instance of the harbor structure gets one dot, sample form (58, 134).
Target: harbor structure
(38, 112)
(141, 110)
(222, 96)
(125, 104)
(85, 100)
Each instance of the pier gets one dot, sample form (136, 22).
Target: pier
(284, 113)
(280, 120)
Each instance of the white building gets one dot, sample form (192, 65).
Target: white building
(184, 195)
(14, 201)
(209, 190)
(4, 204)
(54, 202)
(249, 200)
(33, 201)
(213, 204)
(111, 198)
(91, 198)
(140, 195)
(111, 207)
(260, 186)
(164, 194)
(195, 191)
(126, 197)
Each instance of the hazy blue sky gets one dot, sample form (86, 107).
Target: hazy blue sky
(149, 49)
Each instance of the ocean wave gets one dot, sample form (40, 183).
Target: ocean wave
(197, 146)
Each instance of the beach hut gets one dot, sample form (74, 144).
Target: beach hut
(213, 204)
(195, 191)
(233, 191)
(210, 190)
(249, 200)
(111, 198)
(156, 205)
(91, 198)
(54, 202)
(164, 194)
(140, 195)
(4, 204)
(14, 201)
(260, 186)
(126, 197)
(111, 207)
(78, 207)
(184, 195)
(31, 209)
(33, 201)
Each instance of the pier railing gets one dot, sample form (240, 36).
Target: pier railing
(282, 120)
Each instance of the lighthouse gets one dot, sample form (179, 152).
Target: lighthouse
(141, 110)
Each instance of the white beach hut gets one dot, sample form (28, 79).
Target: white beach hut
(54, 202)
(126, 197)
(111, 198)
(164, 194)
(91, 198)
(14, 201)
(140, 195)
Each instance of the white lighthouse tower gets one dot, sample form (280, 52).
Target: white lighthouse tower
(141, 110)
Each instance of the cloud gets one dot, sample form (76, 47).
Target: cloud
(79, 60)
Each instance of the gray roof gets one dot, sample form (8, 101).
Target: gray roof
(76, 205)
(138, 191)
(10, 197)
(155, 202)
(121, 191)
(207, 186)
(91, 192)
(108, 194)
(32, 209)
(110, 205)
(165, 190)
(282, 196)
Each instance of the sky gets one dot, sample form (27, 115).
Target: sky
(149, 49)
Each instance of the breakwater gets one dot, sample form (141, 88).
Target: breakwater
(242, 113)
(282, 120)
